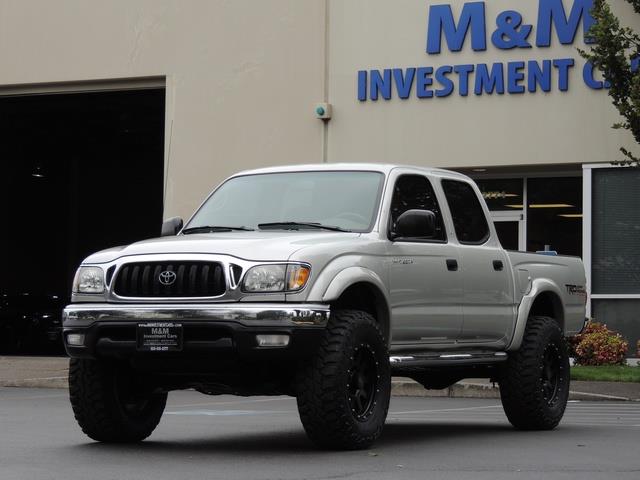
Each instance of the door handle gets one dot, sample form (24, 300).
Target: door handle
(498, 265)
(452, 264)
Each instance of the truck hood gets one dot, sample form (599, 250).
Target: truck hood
(254, 246)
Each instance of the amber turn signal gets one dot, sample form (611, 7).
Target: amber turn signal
(297, 276)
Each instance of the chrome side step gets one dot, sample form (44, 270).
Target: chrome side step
(446, 359)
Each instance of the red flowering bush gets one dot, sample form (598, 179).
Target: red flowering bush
(590, 327)
(597, 345)
(638, 350)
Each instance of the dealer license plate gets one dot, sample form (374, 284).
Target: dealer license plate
(159, 337)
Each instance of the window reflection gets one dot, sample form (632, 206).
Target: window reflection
(502, 194)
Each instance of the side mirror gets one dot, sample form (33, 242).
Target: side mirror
(415, 224)
(171, 226)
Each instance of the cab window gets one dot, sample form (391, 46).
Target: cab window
(414, 192)
(468, 217)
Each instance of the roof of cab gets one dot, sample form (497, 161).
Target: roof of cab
(385, 168)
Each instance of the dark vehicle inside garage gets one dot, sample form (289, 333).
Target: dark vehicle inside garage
(79, 172)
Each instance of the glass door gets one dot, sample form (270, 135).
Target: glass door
(510, 229)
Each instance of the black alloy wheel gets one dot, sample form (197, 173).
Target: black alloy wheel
(551, 374)
(363, 382)
(133, 402)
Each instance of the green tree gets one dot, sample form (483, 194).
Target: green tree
(612, 53)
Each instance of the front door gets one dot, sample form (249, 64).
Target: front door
(425, 283)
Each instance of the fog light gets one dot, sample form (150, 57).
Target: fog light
(75, 339)
(272, 340)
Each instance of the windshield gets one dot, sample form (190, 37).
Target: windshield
(344, 199)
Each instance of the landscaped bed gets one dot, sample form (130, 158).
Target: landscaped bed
(606, 373)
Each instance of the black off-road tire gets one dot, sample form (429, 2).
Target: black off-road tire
(108, 406)
(534, 387)
(343, 392)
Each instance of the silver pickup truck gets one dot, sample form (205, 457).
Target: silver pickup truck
(321, 282)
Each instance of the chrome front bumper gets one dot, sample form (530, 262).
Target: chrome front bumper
(248, 315)
(227, 331)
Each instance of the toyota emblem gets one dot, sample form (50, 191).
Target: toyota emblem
(167, 277)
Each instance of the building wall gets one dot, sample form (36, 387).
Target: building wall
(457, 131)
(241, 76)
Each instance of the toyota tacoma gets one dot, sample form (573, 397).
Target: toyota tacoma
(322, 282)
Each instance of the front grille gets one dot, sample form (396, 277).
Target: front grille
(188, 279)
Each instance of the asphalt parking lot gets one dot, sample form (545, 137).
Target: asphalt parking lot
(228, 438)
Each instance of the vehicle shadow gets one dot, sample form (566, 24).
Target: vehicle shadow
(295, 441)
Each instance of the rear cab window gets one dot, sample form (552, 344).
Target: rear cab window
(469, 220)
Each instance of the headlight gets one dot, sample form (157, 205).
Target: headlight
(89, 280)
(276, 278)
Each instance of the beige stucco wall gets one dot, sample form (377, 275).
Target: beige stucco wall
(540, 128)
(242, 76)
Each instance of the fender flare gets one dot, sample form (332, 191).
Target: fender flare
(538, 286)
(350, 276)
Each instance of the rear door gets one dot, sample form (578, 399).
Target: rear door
(425, 284)
(487, 304)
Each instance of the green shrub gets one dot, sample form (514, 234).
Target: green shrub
(598, 345)
(590, 327)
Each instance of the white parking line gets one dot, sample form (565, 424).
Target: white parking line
(224, 413)
(602, 408)
(231, 402)
(603, 414)
(590, 409)
(445, 410)
(605, 425)
(599, 395)
(503, 421)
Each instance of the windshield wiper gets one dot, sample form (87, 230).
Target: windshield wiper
(293, 225)
(214, 228)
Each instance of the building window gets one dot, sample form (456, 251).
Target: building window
(615, 257)
(550, 207)
(503, 194)
(554, 215)
(612, 256)
(505, 199)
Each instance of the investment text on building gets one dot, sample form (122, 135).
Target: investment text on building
(511, 31)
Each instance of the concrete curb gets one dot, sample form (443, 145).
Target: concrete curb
(43, 382)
